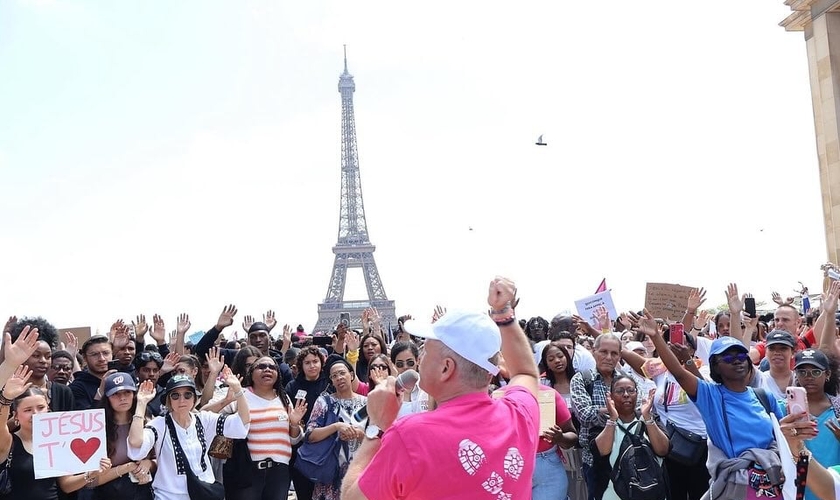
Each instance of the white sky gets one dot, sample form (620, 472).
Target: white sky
(175, 156)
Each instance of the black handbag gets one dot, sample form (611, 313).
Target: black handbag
(196, 488)
(687, 448)
(6, 473)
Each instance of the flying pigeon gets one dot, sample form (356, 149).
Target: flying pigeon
(540, 141)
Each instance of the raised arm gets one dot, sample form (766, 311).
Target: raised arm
(736, 305)
(209, 338)
(145, 393)
(519, 358)
(696, 298)
(18, 352)
(239, 395)
(828, 333)
(14, 387)
(686, 379)
(658, 440)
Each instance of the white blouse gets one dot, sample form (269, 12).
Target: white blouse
(168, 484)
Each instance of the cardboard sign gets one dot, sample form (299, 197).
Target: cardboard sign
(667, 301)
(586, 307)
(548, 410)
(67, 442)
(82, 333)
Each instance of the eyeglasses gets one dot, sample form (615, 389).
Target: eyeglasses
(176, 396)
(734, 358)
(813, 373)
(410, 363)
(627, 390)
(100, 354)
(61, 368)
(380, 366)
(266, 366)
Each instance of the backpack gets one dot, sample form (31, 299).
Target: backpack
(637, 473)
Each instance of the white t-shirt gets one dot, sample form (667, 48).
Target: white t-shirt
(768, 383)
(168, 484)
(583, 359)
(681, 410)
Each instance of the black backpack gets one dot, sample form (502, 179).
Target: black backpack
(637, 473)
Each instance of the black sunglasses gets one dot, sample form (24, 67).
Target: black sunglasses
(176, 396)
(409, 363)
(265, 366)
(151, 356)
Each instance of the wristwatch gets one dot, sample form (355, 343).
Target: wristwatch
(373, 432)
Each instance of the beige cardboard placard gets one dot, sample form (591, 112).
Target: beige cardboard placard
(82, 333)
(666, 300)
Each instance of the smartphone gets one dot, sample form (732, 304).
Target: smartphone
(749, 307)
(345, 319)
(361, 415)
(797, 401)
(321, 340)
(113, 365)
(677, 334)
(301, 394)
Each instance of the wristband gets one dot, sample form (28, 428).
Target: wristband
(610, 422)
(137, 416)
(649, 421)
(506, 321)
(352, 356)
(238, 394)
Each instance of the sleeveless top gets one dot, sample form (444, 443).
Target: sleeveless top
(22, 474)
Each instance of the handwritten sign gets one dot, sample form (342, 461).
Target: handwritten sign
(586, 307)
(67, 442)
(667, 301)
(82, 333)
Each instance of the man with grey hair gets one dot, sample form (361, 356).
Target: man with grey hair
(494, 455)
(589, 401)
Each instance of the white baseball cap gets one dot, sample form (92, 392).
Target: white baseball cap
(473, 335)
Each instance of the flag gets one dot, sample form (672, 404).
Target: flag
(602, 287)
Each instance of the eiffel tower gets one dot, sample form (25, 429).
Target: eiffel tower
(354, 248)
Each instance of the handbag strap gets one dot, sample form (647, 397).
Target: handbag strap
(220, 425)
(180, 457)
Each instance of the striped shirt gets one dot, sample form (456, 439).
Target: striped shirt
(268, 435)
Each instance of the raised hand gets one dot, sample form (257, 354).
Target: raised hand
(10, 324)
(502, 296)
(782, 302)
(117, 328)
(215, 361)
(352, 341)
(159, 329)
(648, 326)
(648, 404)
(269, 320)
(71, 343)
(735, 301)
(169, 362)
(830, 301)
(438, 313)
(625, 321)
(378, 375)
(183, 325)
(226, 318)
(702, 320)
(603, 318)
(287, 334)
(140, 327)
(611, 411)
(696, 298)
(146, 392)
(583, 326)
(681, 351)
(120, 339)
(24, 346)
(18, 384)
(231, 380)
(297, 413)
(247, 321)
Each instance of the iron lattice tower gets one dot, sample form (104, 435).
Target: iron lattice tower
(354, 248)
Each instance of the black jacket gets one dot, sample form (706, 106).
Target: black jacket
(84, 388)
(209, 340)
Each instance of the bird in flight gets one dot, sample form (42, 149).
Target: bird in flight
(540, 141)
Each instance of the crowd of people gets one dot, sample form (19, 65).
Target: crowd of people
(717, 405)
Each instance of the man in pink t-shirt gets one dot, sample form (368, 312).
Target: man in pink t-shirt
(471, 446)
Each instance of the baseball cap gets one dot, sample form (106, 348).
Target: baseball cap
(811, 357)
(177, 382)
(257, 327)
(781, 337)
(473, 335)
(117, 382)
(634, 345)
(722, 344)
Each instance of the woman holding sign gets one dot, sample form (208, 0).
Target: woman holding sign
(182, 438)
(16, 449)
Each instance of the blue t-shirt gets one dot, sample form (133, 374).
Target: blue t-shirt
(749, 425)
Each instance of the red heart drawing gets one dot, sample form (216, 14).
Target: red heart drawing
(84, 449)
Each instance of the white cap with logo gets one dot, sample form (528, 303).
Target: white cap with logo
(473, 335)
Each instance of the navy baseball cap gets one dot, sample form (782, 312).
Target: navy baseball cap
(117, 382)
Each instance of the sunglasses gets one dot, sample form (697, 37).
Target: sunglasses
(410, 363)
(266, 366)
(734, 358)
(175, 396)
(627, 390)
(380, 366)
(150, 356)
(813, 373)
